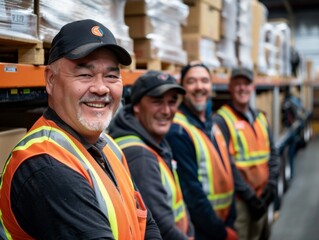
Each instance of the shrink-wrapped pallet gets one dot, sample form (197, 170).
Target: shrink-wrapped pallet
(156, 27)
(17, 19)
(54, 14)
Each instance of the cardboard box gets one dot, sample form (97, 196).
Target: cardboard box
(139, 26)
(203, 20)
(8, 139)
(217, 4)
(259, 18)
(200, 48)
(135, 8)
(143, 49)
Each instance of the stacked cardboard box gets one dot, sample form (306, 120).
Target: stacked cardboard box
(259, 19)
(202, 31)
(155, 27)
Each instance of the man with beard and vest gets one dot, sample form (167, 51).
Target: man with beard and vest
(247, 132)
(67, 179)
(139, 129)
(200, 150)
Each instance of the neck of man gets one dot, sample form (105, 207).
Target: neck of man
(243, 108)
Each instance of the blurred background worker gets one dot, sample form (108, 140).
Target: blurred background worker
(247, 132)
(139, 129)
(202, 159)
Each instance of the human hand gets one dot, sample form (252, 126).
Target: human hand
(268, 194)
(231, 234)
(257, 208)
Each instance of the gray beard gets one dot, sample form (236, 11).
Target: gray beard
(199, 107)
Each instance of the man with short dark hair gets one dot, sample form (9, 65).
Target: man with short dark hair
(202, 157)
(139, 129)
(67, 179)
(247, 132)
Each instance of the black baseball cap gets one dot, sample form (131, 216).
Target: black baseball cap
(78, 39)
(242, 72)
(190, 65)
(153, 83)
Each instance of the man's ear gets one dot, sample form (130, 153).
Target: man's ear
(49, 79)
(136, 108)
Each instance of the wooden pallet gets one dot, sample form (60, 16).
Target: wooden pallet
(157, 64)
(222, 72)
(20, 50)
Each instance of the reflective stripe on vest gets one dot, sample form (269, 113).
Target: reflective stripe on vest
(170, 181)
(59, 138)
(125, 208)
(244, 155)
(208, 159)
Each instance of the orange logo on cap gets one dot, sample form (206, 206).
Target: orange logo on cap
(97, 31)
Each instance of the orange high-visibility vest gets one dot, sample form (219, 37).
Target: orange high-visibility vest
(169, 180)
(119, 205)
(249, 146)
(216, 178)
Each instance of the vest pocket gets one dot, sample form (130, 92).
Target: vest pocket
(141, 213)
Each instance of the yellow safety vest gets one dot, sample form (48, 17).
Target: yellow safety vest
(249, 146)
(119, 205)
(216, 178)
(169, 181)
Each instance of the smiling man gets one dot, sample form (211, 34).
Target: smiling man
(65, 179)
(203, 164)
(247, 133)
(139, 129)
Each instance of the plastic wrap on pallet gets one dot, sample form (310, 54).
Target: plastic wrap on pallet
(201, 48)
(228, 19)
(17, 19)
(226, 53)
(270, 49)
(244, 22)
(244, 55)
(282, 42)
(261, 61)
(54, 14)
(208, 53)
(160, 21)
(259, 19)
(174, 10)
(169, 53)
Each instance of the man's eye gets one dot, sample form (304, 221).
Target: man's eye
(112, 76)
(84, 75)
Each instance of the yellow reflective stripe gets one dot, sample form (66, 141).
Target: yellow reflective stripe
(4, 234)
(107, 203)
(240, 141)
(167, 179)
(179, 206)
(221, 201)
(169, 184)
(261, 119)
(205, 171)
(115, 148)
(179, 211)
(230, 120)
(181, 119)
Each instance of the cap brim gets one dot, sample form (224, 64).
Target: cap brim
(242, 76)
(158, 91)
(122, 55)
